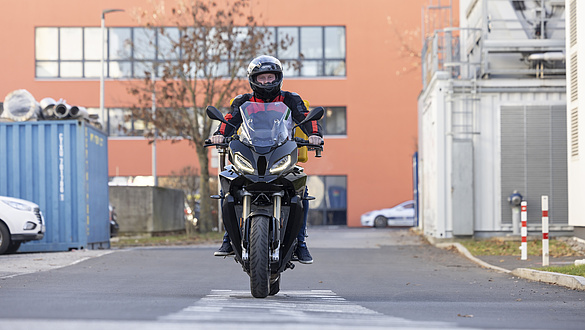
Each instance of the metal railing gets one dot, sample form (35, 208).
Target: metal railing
(523, 28)
(442, 52)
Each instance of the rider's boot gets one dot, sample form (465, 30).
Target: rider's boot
(302, 253)
(226, 248)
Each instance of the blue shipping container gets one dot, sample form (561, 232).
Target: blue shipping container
(63, 167)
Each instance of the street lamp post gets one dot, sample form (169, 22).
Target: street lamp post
(104, 12)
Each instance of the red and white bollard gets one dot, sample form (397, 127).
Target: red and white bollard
(544, 202)
(524, 231)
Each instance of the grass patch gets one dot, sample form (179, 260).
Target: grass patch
(570, 270)
(170, 240)
(500, 247)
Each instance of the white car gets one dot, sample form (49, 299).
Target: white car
(20, 221)
(399, 215)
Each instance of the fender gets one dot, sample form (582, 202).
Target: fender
(247, 223)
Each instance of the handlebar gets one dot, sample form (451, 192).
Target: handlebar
(222, 145)
(305, 143)
(300, 143)
(219, 145)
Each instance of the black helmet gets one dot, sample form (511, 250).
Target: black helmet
(265, 64)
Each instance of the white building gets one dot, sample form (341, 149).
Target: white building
(575, 110)
(492, 119)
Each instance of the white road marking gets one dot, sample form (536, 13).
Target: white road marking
(314, 309)
(226, 309)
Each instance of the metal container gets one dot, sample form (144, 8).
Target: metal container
(63, 167)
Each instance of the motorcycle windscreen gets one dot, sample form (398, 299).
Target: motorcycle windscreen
(265, 124)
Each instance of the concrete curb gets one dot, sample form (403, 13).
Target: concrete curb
(569, 281)
(469, 256)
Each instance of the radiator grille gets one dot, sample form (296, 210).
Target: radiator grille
(534, 159)
(261, 165)
(37, 212)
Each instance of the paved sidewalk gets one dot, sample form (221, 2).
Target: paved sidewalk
(25, 263)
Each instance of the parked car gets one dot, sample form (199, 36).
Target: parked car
(20, 221)
(399, 215)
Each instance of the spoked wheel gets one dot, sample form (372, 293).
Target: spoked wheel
(259, 257)
(274, 284)
(380, 222)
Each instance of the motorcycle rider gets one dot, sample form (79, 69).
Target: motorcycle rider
(265, 77)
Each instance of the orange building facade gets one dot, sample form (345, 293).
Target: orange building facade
(378, 90)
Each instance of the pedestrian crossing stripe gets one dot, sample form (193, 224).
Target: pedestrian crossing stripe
(308, 307)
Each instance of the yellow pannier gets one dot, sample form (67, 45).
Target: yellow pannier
(303, 151)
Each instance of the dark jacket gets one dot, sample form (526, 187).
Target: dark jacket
(292, 100)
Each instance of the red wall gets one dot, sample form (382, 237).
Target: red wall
(381, 105)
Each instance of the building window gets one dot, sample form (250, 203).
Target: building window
(334, 122)
(320, 50)
(330, 204)
(74, 52)
(116, 122)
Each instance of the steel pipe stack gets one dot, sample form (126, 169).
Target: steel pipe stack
(20, 105)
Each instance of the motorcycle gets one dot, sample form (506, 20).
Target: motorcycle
(262, 190)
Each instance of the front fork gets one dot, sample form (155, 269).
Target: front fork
(245, 213)
(276, 225)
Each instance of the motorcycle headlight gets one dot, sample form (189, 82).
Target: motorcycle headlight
(243, 164)
(281, 165)
(18, 206)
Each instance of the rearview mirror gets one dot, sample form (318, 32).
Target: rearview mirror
(213, 113)
(315, 114)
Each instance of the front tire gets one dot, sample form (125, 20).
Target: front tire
(259, 257)
(13, 247)
(4, 238)
(275, 285)
(380, 221)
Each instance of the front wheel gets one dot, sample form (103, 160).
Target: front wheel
(13, 247)
(380, 221)
(4, 238)
(259, 257)
(274, 285)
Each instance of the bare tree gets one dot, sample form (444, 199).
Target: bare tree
(203, 48)
(411, 40)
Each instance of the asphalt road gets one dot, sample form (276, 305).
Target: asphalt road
(361, 278)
